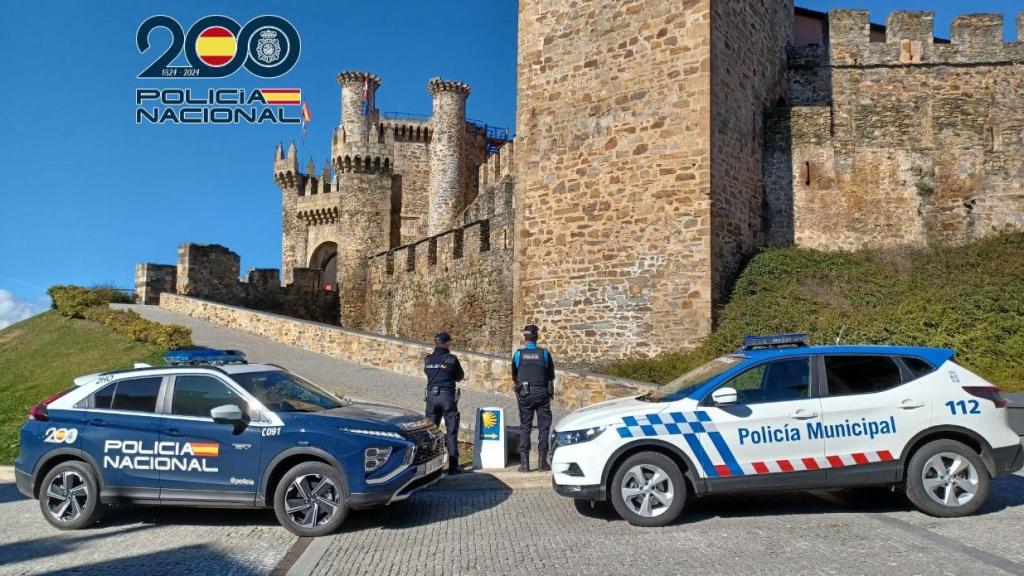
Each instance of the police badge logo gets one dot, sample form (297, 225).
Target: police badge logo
(268, 47)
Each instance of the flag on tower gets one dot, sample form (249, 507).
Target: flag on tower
(366, 96)
(306, 119)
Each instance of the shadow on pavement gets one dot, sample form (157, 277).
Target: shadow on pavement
(9, 493)
(473, 493)
(57, 543)
(1007, 492)
(181, 560)
(173, 515)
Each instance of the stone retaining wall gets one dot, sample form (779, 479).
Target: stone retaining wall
(484, 372)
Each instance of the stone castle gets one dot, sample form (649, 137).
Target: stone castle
(659, 144)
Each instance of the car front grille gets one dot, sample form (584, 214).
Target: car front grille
(429, 442)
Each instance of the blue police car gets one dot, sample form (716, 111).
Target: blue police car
(213, 430)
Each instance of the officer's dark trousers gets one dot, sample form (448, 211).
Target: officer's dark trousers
(540, 403)
(444, 404)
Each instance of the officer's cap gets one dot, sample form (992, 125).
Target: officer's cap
(531, 330)
(442, 338)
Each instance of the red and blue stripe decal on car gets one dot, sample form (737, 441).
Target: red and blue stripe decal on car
(690, 425)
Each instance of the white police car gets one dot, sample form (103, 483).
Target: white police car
(779, 414)
(230, 434)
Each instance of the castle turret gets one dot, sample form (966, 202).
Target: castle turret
(291, 183)
(358, 109)
(447, 148)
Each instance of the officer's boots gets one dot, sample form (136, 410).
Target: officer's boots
(524, 462)
(453, 466)
(544, 466)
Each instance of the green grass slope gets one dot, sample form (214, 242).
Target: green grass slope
(969, 298)
(42, 355)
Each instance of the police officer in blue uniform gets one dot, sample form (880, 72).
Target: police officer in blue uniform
(533, 371)
(443, 371)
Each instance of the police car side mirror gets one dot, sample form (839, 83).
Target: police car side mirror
(724, 396)
(227, 414)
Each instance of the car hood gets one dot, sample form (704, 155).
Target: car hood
(372, 416)
(608, 412)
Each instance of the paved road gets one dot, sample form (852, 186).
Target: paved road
(535, 531)
(487, 528)
(351, 379)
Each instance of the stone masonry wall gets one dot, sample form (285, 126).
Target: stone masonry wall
(613, 157)
(459, 282)
(410, 142)
(573, 389)
(748, 77)
(152, 280)
(907, 141)
(210, 272)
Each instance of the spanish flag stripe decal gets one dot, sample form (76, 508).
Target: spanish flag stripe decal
(282, 95)
(206, 449)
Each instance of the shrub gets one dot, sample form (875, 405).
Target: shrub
(969, 298)
(130, 324)
(71, 301)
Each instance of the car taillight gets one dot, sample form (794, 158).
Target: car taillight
(38, 412)
(988, 393)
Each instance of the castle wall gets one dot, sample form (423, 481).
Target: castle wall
(210, 272)
(152, 280)
(459, 281)
(907, 141)
(748, 77)
(613, 156)
(410, 144)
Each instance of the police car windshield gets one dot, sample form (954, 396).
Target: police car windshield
(283, 392)
(692, 380)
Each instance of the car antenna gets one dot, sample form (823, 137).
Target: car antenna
(840, 336)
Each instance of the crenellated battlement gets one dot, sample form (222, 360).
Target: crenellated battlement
(403, 130)
(357, 77)
(437, 85)
(910, 39)
(498, 165)
(362, 157)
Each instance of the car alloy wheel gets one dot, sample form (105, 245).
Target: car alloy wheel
(311, 500)
(66, 496)
(647, 490)
(950, 479)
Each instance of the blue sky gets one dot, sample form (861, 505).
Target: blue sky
(85, 193)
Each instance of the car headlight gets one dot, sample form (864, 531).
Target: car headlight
(577, 436)
(374, 458)
(376, 433)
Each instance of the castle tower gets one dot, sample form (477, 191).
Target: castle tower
(358, 108)
(447, 148)
(293, 230)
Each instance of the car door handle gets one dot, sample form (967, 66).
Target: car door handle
(909, 404)
(96, 422)
(802, 414)
(174, 432)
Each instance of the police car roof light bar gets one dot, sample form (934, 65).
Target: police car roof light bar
(753, 342)
(202, 355)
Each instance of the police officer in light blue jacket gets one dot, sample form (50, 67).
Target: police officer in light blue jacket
(533, 371)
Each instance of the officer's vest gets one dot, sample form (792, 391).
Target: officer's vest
(532, 366)
(439, 368)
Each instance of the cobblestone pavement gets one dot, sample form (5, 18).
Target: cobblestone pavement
(353, 380)
(483, 527)
(134, 540)
(535, 531)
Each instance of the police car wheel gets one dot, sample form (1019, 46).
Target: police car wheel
(310, 499)
(946, 478)
(648, 489)
(69, 496)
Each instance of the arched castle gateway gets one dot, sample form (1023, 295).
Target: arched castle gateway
(659, 144)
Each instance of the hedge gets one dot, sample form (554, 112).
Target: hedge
(71, 300)
(130, 324)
